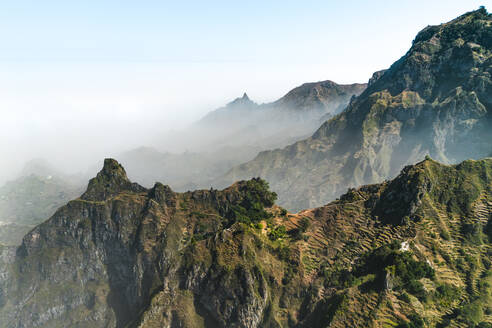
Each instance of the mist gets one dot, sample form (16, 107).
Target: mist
(78, 84)
(74, 114)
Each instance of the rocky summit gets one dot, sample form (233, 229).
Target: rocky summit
(411, 252)
(436, 100)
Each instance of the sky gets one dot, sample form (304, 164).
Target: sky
(86, 79)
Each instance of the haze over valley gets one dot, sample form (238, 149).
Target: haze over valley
(200, 166)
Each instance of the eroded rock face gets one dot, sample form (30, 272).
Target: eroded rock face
(436, 100)
(98, 260)
(136, 257)
(126, 256)
(110, 181)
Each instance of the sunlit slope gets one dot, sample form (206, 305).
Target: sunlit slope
(436, 100)
(414, 250)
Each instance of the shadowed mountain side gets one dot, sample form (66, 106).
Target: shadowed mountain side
(412, 250)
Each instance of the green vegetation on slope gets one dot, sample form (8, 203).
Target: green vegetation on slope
(434, 101)
(397, 254)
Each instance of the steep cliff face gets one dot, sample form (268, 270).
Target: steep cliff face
(435, 100)
(413, 249)
(98, 260)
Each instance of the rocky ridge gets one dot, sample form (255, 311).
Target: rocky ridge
(436, 100)
(415, 249)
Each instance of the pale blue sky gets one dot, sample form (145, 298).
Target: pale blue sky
(210, 31)
(78, 71)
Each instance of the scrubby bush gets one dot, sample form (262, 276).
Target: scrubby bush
(488, 230)
(472, 232)
(297, 233)
(405, 269)
(339, 278)
(414, 322)
(471, 313)
(250, 208)
(277, 233)
(484, 325)
(446, 294)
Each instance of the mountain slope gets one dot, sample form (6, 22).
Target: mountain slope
(326, 96)
(236, 133)
(32, 198)
(437, 100)
(41, 188)
(412, 252)
(244, 123)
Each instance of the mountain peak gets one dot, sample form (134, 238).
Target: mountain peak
(460, 45)
(243, 101)
(114, 169)
(111, 180)
(435, 100)
(320, 95)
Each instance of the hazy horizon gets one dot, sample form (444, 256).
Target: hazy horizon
(80, 82)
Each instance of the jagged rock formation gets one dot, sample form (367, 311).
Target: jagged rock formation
(435, 100)
(415, 249)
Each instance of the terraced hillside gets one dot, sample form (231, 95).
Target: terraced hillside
(435, 100)
(411, 252)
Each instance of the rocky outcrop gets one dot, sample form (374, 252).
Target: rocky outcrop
(126, 256)
(99, 260)
(109, 182)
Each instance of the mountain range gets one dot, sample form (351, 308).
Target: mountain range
(299, 112)
(234, 134)
(436, 100)
(411, 252)
(41, 188)
(391, 223)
